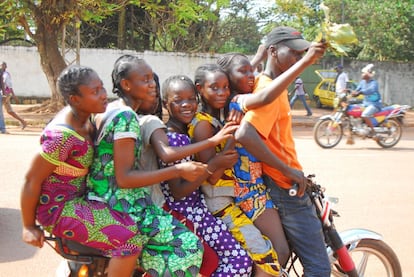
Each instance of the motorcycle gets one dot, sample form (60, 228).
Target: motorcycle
(80, 260)
(354, 252)
(388, 123)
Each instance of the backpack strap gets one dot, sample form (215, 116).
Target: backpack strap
(107, 119)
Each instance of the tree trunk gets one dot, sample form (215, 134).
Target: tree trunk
(122, 29)
(52, 62)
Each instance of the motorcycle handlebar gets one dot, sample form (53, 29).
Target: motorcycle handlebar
(293, 190)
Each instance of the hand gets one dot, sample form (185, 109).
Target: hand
(33, 235)
(225, 133)
(355, 93)
(235, 113)
(235, 116)
(190, 171)
(315, 51)
(225, 159)
(298, 177)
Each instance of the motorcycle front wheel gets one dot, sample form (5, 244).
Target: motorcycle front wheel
(327, 133)
(372, 258)
(393, 136)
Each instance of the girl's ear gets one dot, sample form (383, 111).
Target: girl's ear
(198, 92)
(125, 85)
(73, 100)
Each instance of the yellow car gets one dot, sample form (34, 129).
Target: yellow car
(324, 92)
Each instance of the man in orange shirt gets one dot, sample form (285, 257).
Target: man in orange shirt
(273, 124)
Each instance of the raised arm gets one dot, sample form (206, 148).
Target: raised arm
(261, 55)
(281, 83)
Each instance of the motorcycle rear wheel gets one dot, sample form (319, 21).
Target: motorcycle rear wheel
(373, 258)
(393, 137)
(327, 133)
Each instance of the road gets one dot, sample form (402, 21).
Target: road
(374, 186)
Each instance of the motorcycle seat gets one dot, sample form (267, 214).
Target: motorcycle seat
(81, 249)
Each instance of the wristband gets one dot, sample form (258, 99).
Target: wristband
(239, 105)
(242, 103)
(235, 106)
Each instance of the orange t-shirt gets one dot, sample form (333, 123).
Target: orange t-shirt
(273, 122)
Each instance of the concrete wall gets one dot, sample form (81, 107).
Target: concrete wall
(23, 63)
(396, 80)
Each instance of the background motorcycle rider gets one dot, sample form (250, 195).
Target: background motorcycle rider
(372, 98)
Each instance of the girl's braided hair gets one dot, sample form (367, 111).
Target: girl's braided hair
(200, 77)
(71, 78)
(225, 61)
(122, 68)
(166, 85)
(202, 70)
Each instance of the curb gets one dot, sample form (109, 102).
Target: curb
(37, 121)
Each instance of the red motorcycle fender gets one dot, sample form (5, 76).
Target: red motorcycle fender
(351, 237)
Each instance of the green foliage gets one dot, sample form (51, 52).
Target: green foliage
(339, 37)
(384, 28)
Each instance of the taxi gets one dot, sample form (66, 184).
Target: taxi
(324, 92)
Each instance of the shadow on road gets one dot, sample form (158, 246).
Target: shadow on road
(12, 247)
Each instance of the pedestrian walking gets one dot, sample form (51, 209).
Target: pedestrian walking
(300, 93)
(8, 93)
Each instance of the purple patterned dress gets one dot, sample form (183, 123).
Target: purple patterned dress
(233, 259)
(63, 209)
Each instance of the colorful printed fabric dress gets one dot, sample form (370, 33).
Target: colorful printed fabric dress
(233, 259)
(169, 248)
(250, 191)
(63, 209)
(239, 224)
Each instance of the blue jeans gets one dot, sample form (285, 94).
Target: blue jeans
(303, 99)
(369, 111)
(303, 229)
(2, 124)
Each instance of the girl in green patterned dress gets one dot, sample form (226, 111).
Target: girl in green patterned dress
(169, 248)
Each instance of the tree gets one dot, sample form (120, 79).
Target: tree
(180, 26)
(384, 28)
(175, 25)
(43, 22)
(238, 29)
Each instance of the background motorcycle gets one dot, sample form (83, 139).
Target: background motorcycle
(355, 252)
(388, 122)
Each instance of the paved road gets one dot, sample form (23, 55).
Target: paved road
(374, 186)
